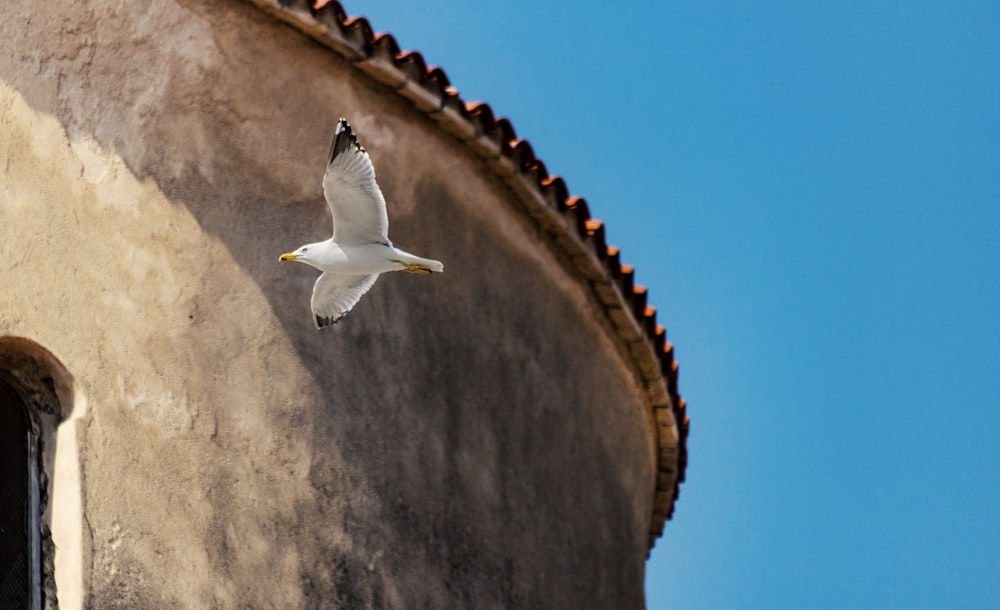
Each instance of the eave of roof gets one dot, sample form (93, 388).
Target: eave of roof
(547, 200)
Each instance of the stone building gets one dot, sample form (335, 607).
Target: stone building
(176, 434)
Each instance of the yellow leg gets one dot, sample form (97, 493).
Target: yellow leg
(411, 268)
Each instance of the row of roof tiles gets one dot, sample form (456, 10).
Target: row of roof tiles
(513, 159)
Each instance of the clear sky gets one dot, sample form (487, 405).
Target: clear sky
(811, 191)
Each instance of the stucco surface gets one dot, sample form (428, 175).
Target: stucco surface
(471, 439)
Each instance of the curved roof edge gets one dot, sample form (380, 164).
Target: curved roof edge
(565, 218)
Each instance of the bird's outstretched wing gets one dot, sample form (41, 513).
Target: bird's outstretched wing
(335, 294)
(354, 198)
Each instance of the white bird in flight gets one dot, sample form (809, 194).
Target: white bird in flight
(360, 248)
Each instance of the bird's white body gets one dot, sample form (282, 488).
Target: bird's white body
(360, 249)
(362, 259)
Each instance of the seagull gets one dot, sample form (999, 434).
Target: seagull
(360, 249)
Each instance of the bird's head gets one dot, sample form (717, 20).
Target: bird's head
(302, 255)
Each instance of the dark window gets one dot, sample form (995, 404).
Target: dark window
(17, 487)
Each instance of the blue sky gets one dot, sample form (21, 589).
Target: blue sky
(811, 191)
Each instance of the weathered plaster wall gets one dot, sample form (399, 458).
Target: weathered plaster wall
(470, 439)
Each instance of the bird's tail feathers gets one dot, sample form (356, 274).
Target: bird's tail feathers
(418, 264)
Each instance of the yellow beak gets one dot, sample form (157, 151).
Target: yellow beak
(288, 256)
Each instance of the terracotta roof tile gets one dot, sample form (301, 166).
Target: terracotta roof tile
(566, 218)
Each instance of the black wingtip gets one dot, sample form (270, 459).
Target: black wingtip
(343, 139)
(322, 322)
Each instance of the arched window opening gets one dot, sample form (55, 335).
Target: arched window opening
(19, 506)
(36, 395)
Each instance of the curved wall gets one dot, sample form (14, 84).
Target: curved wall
(471, 439)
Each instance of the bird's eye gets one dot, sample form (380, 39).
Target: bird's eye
(305, 249)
